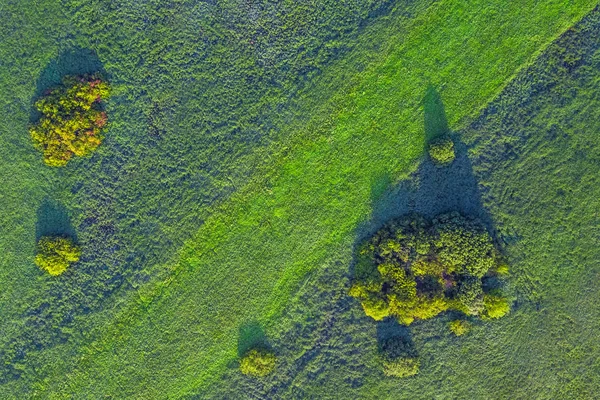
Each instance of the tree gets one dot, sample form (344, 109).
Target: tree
(459, 327)
(72, 119)
(441, 151)
(56, 253)
(495, 305)
(399, 357)
(258, 362)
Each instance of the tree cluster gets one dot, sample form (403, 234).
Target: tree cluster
(416, 269)
(71, 119)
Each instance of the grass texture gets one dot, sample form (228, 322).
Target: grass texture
(246, 147)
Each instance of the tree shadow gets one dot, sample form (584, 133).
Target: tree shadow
(251, 335)
(429, 191)
(53, 220)
(435, 121)
(390, 329)
(73, 61)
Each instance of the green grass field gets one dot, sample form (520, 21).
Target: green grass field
(250, 146)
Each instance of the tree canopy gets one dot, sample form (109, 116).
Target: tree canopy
(72, 119)
(56, 253)
(415, 269)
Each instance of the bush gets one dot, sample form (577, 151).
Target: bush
(460, 327)
(495, 305)
(56, 254)
(258, 362)
(402, 367)
(416, 269)
(72, 119)
(441, 151)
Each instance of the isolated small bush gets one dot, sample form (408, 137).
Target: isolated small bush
(56, 254)
(460, 327)
(441, 151)
(495, 305)
(401, 367)
(258, 362)
(72, 119)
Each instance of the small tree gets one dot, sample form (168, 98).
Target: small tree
(56, 254)
(401, 367)
(258, 362)
(495, 305)
(72, 119)
(441, 151)
(459, 327)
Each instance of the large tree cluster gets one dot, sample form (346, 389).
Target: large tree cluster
(415, 269)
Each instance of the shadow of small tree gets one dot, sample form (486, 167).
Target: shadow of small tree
(429, 191)
(74, 61)
(390, 328)
(436, 122)
(53, 220)
(251, 336)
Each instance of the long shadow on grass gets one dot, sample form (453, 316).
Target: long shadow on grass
(251, 335)
(53, 220)
(429, 191)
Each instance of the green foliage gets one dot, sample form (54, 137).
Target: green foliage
(401, 367)
(258, 362)
(441, 151)
(464, 246)
(56, 253)
(425, 268)
(459, 327)
(72, 119)
(543, 194)
(495, 305)
(203, 84)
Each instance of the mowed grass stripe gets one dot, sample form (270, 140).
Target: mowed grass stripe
(250, 256)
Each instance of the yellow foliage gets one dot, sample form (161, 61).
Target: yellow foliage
(71, 122)
(56, 254)
(258, 362)
(459, 327)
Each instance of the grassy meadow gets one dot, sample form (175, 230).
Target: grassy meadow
(250, 145)
(532, 159)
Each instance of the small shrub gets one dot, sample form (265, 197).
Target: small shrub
(72, 120)
(258, 362)
(401, 367)
(441, 151)
(495, 305)
(460, 327)
(56, 254)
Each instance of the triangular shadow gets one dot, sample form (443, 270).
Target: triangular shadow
(429, 191)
